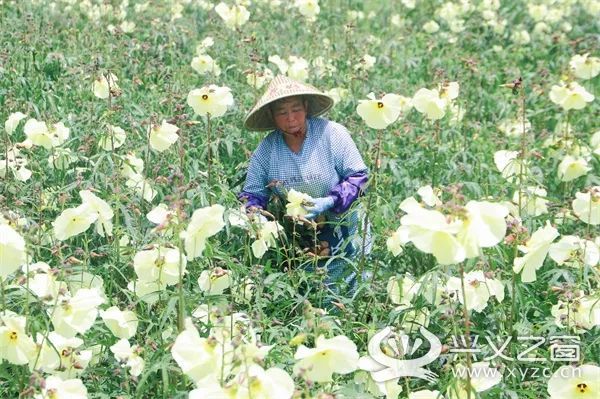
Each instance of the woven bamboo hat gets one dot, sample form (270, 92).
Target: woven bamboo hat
(280, 87)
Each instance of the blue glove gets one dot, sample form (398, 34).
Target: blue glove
(319, 205)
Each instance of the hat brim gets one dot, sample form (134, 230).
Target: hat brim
(260, 119)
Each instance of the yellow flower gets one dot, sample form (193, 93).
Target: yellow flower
(430, 103)
(575, 251)
(431, 27)
(103, 86)
(125, 353)
(103, 210)
(114, 138)
(511, 167)
(163, 136)
(298, 68)
(141, 186)
(296, 201)
(234, 16)
(74, 221)
(259, 78)
(535, 251)
(571, 96)
(56, 387)
(570, 382)
(533, 201)
(15, 345)
(337, 93)
(514, 127)
(581, 313)
(483, 227)
(585, 67)
(396, 241)
(335, 355)
(477, 289)
(571, 168)
(63, 358)
(123, 324)
(76, 314)
(266, 238)
(13, 121)
(205, 222)
(159, 264)
(586, 206)
(308, 8)
(204, 63)
(402, 292)
(210, 100)
(214, 282)
(12, 250)
(379, 114)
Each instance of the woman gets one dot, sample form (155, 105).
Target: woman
(314, 156)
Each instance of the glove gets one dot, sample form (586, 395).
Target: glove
(319, 205)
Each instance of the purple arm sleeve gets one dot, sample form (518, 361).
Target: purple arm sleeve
(346, 192)
(256, 200)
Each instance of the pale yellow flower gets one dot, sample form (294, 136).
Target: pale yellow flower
(214, 282)
(571, 168)
(511, 167)
(114, 138)
(483, 227)
(570, 382)
(575, 251)
(402, 292)
(122, 323)
(57, 388)
(15, 345)
(234, 16)
(338, 94)
(74, 221)
(63, 358)
(12, 250)
(535, 250)
(259, 78)
(105, 213)
(478, 289)
(204, 64)
(104, 85)
(205, 222)
(483, 377)
(586, 206)
(76, 314)
(308, 8)
(396, 241)
(132, 166)
(266, 238)
(295, 204)
(571, 96)
(431, 26)
(380, 113)
(582, 313)
(127, 354)
(141, 186)
(335, 355)
(585, 67)
(430, 103)
(163, 136)
(210, 100)
(533, 201)
(160, 263)
(514, 127)
(13, 121)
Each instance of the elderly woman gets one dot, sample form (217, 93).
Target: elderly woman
(314, 156)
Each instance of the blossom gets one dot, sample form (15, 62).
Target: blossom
(56, 387)
(113, 139)
(571, 168)
(402, 292)
(532, 201)
(105, 85)
(571, 96)
(259, 78)
(308, 8)
(483, 227)
(273, 383)
(123, 324)
(379, 114)
(296, 201)
(13, 121)
(163, 136)
(63, 357)
(482, 378)
(335, 355)
(575, 251)
(76, 314)
(102, 209)
(234, 16)
(478, 289)
(128, 354)
(74, 221)
(431, 26)
(509, 164)
(210, 100)
(395, 242)
(147, 291)
(61, 158)
(266, 238)
(141, 186)
(520, 37)
(535, 250)
(298, 68)
(337, 93)
(204, 63)
(132, 166)
(449, 91)
(16, 163)
(366, 62)
(586, 206)
(12, 250)
(205, 44)
(160, 264)
(430, 103)
(585, 67)
(570, 382)
(581, 313)
(214, 282)
(281, 63)
(15, 345)
(514, 127)
(205, 223)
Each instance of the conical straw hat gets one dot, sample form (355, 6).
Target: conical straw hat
(280, 87)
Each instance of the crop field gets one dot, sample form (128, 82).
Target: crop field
(129, 268)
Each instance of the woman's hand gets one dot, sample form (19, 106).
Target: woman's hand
(319, 205)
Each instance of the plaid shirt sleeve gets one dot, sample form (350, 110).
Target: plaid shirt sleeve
(255, 192)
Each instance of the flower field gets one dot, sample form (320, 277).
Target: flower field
(130, 269)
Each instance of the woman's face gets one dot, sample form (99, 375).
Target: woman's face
(289, 115)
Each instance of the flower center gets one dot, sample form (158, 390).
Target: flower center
(205, 96)
(13, 336)
(582, 387)
(379, 104)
